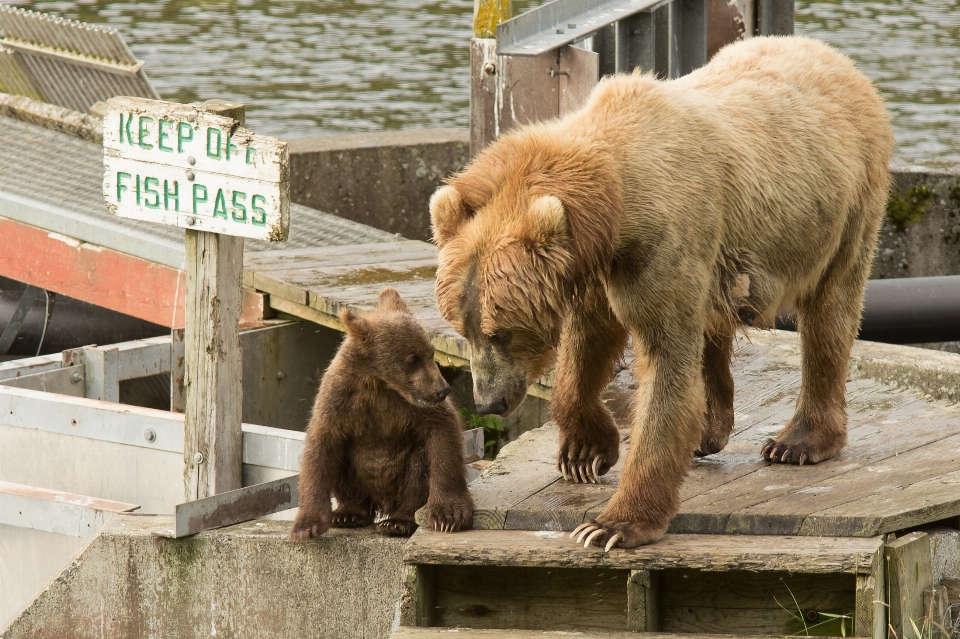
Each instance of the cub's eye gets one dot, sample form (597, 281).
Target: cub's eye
(500, 337)
(412, 360)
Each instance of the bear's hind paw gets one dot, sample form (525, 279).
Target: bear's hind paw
(621, 534)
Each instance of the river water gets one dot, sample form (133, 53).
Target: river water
(305, 67)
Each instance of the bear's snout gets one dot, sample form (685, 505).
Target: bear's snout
(496, 407)
(443, 393)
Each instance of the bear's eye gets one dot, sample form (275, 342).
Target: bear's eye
(412, 360)
(500, 337)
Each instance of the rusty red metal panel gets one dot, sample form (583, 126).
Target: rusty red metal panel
(107, 278)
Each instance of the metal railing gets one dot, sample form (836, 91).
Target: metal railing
(544, 63)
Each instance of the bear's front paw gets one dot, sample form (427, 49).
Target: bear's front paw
(396, 527)
(450, 515)
(308, 529)
(584, 456)
(616, 534)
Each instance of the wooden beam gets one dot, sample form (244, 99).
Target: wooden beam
(909, 574)
(94, 274)
(214, 369)
(642, 609)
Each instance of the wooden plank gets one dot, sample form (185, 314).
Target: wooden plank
(870, 619)
(63, 381)
(213, 439)
(643, 601)
(891, 510)
(870, 441)
(94, 274)
(321, 257)
(775, 603)
(530, 598)
(908, 574)
(851, 555)
(405, 632)
(521, 469)
(873, 471)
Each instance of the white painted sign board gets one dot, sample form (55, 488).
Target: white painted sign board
(176, 164)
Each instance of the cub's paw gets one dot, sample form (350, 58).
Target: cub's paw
(616, 534)
(450, 515)
(584, 456)
(304, 530)
(350, 519)
(397, 527)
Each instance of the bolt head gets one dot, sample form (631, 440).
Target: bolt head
(490, 68)
(190, 175)
(76, 378)
(198, 457)
(191, 160)
(281, 375)
(150, 435)
(191, 221)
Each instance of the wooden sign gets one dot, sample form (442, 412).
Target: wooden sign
(180, 165)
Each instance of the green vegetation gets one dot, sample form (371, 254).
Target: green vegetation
(904, 210)
(494, 434)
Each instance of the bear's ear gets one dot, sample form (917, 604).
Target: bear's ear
(447, 212)
(547, 218)
(359, 327)
(390, 300)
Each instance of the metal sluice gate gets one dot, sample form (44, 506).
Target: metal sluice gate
(66, 62)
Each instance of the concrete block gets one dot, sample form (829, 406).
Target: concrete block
(248, 580)
(384, 180)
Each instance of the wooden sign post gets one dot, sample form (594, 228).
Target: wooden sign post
(196, 167)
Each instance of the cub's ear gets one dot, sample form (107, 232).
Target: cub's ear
(359, 327)
(547, 218)
(447, 213)
(390, 300)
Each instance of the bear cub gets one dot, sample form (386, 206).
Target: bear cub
(383, 439)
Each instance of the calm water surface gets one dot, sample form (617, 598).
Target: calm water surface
(306, 68)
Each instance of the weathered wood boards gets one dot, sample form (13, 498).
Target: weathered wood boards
(901, 467)
(185, 166)
(685, 583)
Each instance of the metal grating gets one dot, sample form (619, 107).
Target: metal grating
(66, 62)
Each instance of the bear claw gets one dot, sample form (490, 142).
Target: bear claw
(583, 473)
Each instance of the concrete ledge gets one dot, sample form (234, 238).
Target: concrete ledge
(930, 245)
(248, 580)
(383, 180)
(52, 116)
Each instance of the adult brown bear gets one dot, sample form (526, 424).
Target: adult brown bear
(673, 212)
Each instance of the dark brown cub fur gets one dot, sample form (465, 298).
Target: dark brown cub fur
(383, 439)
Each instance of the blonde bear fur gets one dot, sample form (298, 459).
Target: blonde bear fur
(674, 212)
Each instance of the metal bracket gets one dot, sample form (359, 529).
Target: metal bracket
(19, 315)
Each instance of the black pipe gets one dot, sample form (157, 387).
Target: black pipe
(71, 323)
(908, 310)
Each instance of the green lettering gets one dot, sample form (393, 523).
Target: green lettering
(120, 175)
(151, 190)
(258, 208)
(220, 205)
(184, 134)
(168, 195)
(161, 136)
(230, 145)
(143, 127)
(250, 151)
(239, 206)
(138, 190)
(214, 152)
(126, 129)
(198, 196)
